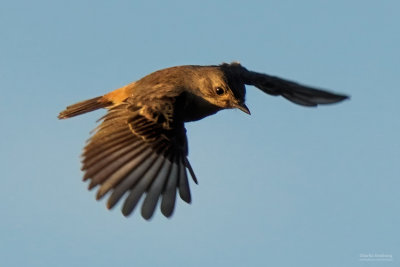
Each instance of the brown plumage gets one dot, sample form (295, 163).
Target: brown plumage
(140, 148)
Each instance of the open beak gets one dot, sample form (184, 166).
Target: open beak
(243, 107)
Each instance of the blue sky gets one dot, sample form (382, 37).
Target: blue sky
(286, 186)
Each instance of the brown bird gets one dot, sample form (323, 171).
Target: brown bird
(140, 147)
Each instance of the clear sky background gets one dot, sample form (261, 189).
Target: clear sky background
(286, 186)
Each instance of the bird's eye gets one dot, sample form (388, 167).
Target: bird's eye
(219, 91)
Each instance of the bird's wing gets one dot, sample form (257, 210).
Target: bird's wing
(139, 149)
(297, 93)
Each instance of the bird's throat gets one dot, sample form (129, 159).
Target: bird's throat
(195, 108)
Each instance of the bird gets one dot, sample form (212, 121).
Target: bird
(140, 148)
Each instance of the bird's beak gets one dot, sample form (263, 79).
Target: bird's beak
(243, 107)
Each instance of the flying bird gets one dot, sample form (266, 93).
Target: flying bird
(141, 149)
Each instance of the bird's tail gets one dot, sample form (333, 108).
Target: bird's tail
(84, 107)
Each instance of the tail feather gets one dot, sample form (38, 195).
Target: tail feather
(84, 107)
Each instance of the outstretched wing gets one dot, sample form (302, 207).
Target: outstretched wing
(139, 149)
(297, 93)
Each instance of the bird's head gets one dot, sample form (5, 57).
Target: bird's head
(222, 88)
